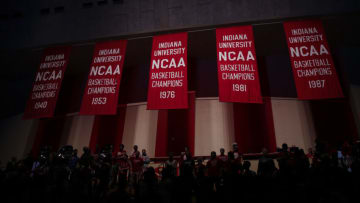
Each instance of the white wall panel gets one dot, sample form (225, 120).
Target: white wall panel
(79, 131)
(140, 129)
(355, 104)
(214, 126)
(17, 137)
(293, 123)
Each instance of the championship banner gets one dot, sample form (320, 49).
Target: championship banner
(313, 67)
(46, 88)
(237, 67)
(102, 87)
(168, 72)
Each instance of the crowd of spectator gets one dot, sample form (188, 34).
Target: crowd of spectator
(109, 175)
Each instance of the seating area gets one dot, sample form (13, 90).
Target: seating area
(114, 175)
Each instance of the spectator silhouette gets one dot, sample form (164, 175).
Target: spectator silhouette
(266, 166)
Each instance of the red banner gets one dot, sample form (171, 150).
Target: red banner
(237, 67)
(311, 61)
(102, 88)
(45, 90)
(168, 72)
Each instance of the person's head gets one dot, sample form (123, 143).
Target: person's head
(187, 153)
(310, 150)
(235, 147)
(171, 156)
(284, 147)
(264, 151)
(247, 165)
(301, 152)
(86, 150)
(137, 154)
(186, 149)
(143, 152)
(135, 148)
(121, 147)
(75, 152)
(200, 160)
(213, 155)
(222, 151)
